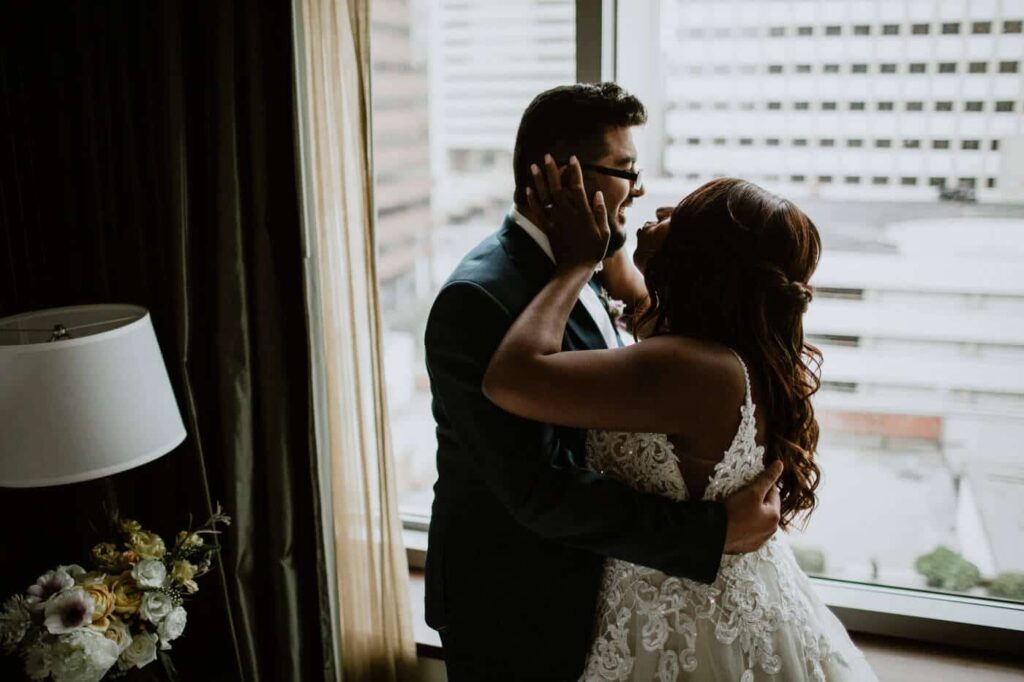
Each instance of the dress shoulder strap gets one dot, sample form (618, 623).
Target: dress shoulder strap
(748, 399)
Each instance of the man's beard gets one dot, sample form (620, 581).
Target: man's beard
(615, 242)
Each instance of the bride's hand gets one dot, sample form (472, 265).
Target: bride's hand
(578, 231)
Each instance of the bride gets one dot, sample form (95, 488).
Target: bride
(719, 385)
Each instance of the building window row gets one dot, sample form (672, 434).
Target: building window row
(851, 143)
(938, 182)
(942, 106)
(1010, 26)
(970, 67)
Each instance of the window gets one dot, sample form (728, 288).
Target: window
(693, 141)
(969, 183)
(799, 142)
(891, 29)
(995, 145)
(886, 106)
(777, 31)
(974, 106)
(1009, 67)
(950, 29)
(420, 158)
(943, 106)
(859, 68)
(887, 68)
(970, 144)
(718, 141)
(826, 142)
(947, 67)
(805, 31)
(801, 106)
(775, 68)
(862, 30)
(881, 431)
(883, 144)
(940, 144)
(977, 67)
(880, 180)
(746, 141)
(803, 68)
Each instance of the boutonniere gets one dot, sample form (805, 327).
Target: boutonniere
(616, 308)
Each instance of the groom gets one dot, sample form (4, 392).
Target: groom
(520, 528)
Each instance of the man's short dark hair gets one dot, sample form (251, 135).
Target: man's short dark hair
(571, 119)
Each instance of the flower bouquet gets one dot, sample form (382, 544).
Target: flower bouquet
(75, 625)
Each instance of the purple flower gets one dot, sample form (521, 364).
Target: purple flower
(47, 585)
(69, 610)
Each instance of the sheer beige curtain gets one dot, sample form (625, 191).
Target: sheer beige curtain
(371, 573)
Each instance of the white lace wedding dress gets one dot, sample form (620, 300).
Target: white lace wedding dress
(760, 619)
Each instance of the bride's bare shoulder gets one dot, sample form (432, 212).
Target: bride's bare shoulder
(703, 376)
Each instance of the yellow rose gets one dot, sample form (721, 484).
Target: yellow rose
(190, 586)
(147, 545)
(182, 572)
(127, 595)
(106, 556)
(129, 526)
(104, 601)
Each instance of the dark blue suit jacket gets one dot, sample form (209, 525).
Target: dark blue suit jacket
(520, 529)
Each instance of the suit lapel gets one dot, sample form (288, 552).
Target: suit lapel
(582, 332)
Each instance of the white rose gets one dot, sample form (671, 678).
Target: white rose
(150, 573)
(155, 606)
(82, 656)
(141, 652)
(171, 627)
(118, 633)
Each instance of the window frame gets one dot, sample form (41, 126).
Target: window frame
(923, 615)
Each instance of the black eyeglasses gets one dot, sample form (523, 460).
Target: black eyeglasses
(635, 177)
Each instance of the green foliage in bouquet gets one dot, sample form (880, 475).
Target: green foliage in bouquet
(75, 625)
(947, 570)
(1008, 585)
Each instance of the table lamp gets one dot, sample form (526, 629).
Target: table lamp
(84, 394)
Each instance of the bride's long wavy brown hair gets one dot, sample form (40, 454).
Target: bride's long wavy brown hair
(734, 269)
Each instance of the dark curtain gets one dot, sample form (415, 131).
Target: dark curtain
(148, 156)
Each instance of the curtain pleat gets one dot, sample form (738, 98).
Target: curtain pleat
(372, 574)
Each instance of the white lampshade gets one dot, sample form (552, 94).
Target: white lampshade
(87, 406)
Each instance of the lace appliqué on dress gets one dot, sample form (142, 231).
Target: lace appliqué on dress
(741, 607)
